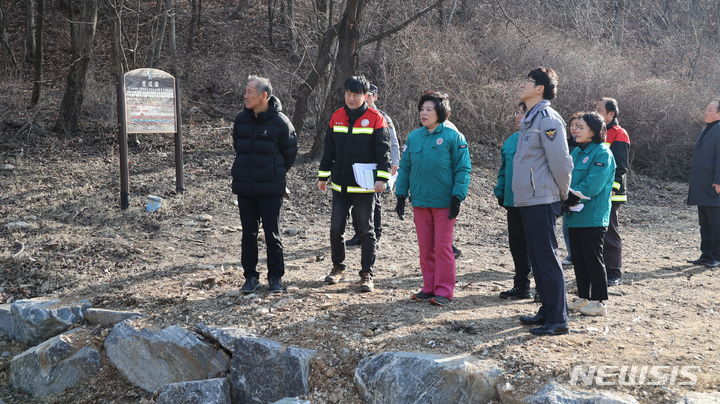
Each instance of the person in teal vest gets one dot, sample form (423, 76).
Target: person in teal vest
(516, 233)
(587, 212)
(435, 174)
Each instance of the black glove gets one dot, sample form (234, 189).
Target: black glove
(454, 208)
(501, 201)
(400, 207)
(572, 199)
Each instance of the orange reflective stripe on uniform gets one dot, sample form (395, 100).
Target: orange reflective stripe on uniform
(363, 131)
(616, 185)
(383, 174)
(340, 129)
(619, 198)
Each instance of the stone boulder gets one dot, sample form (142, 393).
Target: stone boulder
(554, 393)
(108, 318)
(61, 362)
(409, 377)
(150, 358)
(5, 320)
(263, 370)
(700, 398)
(35, 320)
(291, 400)
(210, 391)
(226, 337)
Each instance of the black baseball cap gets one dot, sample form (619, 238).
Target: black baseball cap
(373, 89)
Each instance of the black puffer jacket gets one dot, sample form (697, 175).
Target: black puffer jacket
(265, 149)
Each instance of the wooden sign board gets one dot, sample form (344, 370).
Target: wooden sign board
(150, 101)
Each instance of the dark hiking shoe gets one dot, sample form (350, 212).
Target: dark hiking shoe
(516, 293)
(275, 286)
(366, 283)
(440, 301)
(250, 286)
(335, 276)
(421, 296)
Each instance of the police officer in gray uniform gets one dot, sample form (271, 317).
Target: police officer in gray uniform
(541, 179)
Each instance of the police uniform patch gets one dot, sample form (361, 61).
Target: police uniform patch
(600, 164)
(439, 141)
(365, 123)
(550, 134)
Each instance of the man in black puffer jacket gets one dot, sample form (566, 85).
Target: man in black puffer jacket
(265, 148)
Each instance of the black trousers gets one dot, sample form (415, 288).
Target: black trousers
(362, 204)
(377, 218)
(539, 220)
(518, 249)
(587, 252)
(253, 210)
(612, 251)
(709, 218)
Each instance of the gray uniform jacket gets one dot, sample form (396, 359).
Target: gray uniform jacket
(705, 169)
(542, 164)
(394, 144)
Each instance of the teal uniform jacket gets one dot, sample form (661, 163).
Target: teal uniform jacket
(592, 175)
(503, 189)
(435, 166)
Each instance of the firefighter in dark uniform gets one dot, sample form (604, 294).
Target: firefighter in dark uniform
(619, 142)
(356, 134)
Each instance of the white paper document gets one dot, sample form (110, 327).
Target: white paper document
(365, 174)
(577, 208)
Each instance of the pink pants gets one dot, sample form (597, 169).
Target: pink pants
(437, 262)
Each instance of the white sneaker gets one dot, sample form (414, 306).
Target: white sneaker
(594, 308)
(577, 304)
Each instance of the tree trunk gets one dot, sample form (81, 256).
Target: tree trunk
(112, 10)
(29, 30)
(290, 11)
(39, 28)
(83, 20)
(271, 23)
(172, 39)
(194, 23)
(346, 63)
(5, 40)
(158, 34)
(303, 92)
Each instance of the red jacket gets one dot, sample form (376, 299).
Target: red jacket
(619, 142)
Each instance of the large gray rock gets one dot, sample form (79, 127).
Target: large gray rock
(700, 398)
(409, 377)
(58, 363)
(263, 370)
(291, 400)
(35, 320)
(554, 393)
(150, 359)
(5, 320)
(210, 391)
(108, 318)
(226, 337)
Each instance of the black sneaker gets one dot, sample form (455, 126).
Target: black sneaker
(516, 293)
(353, 242)
(421, 296)
(456, 252)
(274, 285)
(250, 286)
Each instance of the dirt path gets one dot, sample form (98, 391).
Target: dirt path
(181, 268)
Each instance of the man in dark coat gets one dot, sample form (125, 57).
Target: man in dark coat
(705, 186)
(265, 148)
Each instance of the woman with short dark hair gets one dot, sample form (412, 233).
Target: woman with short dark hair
(435, 173)
(587, 212)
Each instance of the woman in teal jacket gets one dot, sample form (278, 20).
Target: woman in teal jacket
(435, 173)
(516, 232)
(588, 212)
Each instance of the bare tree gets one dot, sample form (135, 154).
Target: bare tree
(5, 40)
(172, 38)
(83, 20)
(195, 6)
(158, 32)
(38, 59)
(29, 30)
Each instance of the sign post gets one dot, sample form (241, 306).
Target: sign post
(148, 102)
